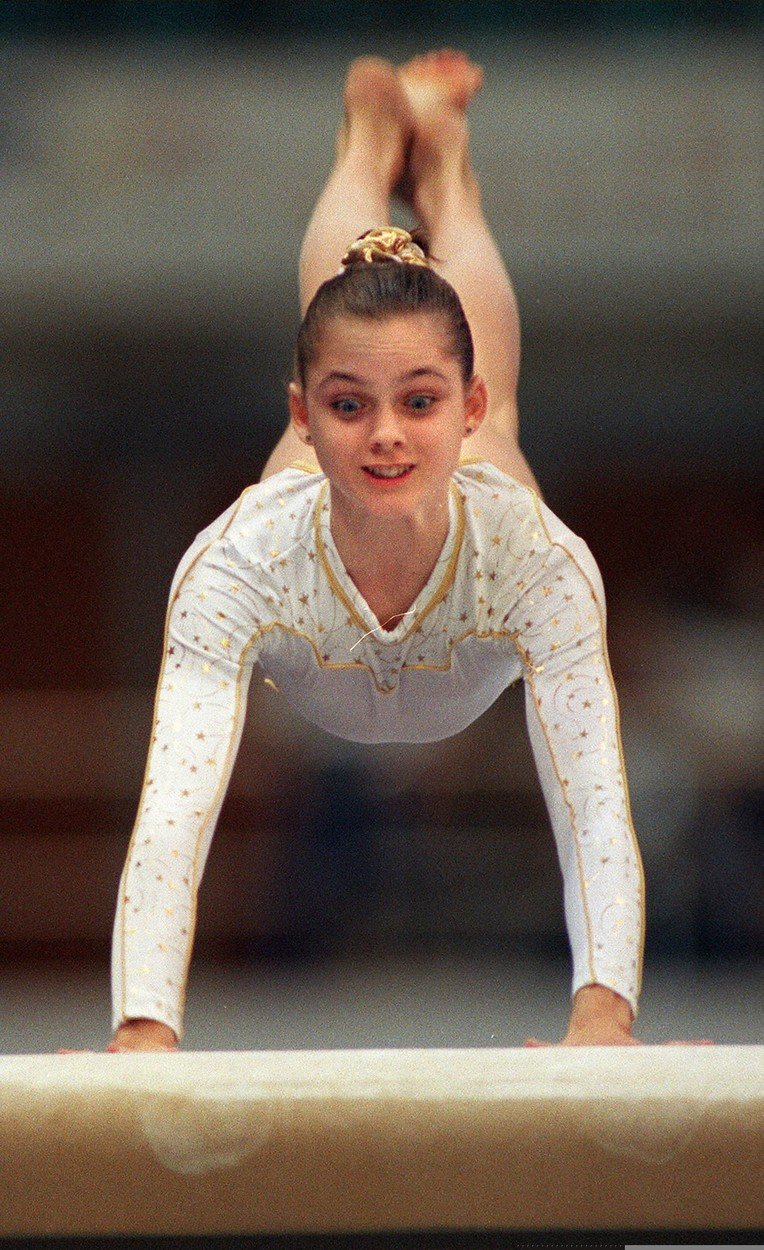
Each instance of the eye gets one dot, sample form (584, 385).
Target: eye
(346, 406)
(420, 403)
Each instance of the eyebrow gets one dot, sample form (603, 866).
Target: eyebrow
(337, 376)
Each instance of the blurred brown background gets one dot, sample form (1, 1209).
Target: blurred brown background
(158, 163)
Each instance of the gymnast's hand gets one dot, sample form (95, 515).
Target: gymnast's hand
(135, 1035)
(600, 1017)
(142, 1035)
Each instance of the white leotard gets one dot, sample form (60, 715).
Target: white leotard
(514, 594)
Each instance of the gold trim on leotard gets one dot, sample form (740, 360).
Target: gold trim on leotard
(619, 744)
(437, 596)
(146, 772)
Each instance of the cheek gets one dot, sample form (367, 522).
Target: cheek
(337, 444)
(450, 434)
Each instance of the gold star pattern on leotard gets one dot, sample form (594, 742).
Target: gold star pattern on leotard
(510, 597)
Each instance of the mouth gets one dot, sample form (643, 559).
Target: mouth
(388, 472)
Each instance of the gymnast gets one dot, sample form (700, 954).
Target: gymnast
(395, 568)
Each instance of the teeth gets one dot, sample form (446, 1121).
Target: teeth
(396, 472)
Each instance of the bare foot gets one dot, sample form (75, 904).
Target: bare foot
(445, 76)
(377, 115)
(438, 87)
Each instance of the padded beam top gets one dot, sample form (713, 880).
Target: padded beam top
(372, 1140)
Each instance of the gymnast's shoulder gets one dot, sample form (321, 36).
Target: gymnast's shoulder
(267, 519)
(496, 498)
(282, 502)
(509, 514)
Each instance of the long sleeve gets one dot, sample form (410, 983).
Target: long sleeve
(573, 724)
(213, 622)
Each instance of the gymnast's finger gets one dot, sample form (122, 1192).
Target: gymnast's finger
(534, 1041)
(118, 1048)
(705, 1041)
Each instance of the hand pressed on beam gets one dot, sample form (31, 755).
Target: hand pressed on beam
(601, 1017)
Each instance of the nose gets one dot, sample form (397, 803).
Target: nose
(386, 430)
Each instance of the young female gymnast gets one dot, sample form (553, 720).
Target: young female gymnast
(389, 587)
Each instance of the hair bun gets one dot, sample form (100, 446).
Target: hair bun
(388, 243)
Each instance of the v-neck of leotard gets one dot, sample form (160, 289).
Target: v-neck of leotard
(345, 589)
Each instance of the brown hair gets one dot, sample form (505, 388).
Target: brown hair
(385, 285)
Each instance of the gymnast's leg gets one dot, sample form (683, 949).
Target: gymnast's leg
(370, 158)
(445, 196)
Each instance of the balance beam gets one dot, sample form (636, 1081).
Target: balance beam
(366, 1141)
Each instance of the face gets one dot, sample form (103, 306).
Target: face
(386, 409)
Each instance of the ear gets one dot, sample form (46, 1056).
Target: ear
(475, 404)
(298, 412)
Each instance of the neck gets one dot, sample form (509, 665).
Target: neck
(389, 547)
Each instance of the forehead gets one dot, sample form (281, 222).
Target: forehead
(414, 340)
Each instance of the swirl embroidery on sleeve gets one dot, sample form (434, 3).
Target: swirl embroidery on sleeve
(605, 732)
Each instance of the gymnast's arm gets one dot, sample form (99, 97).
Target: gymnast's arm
(209, 652)
(573, 724)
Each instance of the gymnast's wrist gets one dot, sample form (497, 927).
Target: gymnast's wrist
(599, 1002)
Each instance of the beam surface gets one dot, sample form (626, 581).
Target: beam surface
(363, 1141)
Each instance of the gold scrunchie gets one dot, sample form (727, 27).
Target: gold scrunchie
(385, 244)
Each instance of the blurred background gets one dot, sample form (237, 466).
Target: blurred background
(158, 164)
